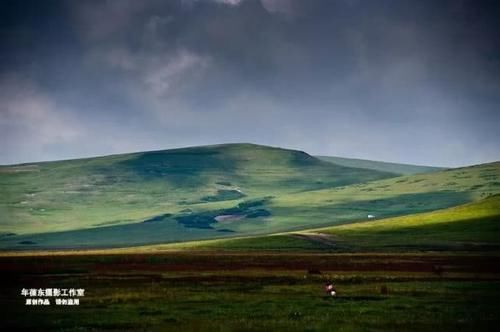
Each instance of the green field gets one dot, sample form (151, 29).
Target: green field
(214, 192)
(255, 292)
(243, 237)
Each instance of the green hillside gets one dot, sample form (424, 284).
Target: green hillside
(211, 192)
(469, 227)
(472, 226)
(401, 169)
(397, 196)
(129, 188)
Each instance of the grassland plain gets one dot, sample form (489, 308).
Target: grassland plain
(212, 192)
(245, 291)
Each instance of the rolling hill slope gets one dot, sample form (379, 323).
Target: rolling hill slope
(471, 226)
(211, 192)
(130, 188)
(401, 169)
(402, 195)
(468, 227)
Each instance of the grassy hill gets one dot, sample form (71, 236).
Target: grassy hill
(472, 226)
(469, 227)
(211, 192)
(402, 195)
(129, 188)
(401, 169)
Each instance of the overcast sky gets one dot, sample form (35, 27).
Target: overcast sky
(402, 81)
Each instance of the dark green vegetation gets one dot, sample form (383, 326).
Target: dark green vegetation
(212, 192)
(401, 169)
(256, 292)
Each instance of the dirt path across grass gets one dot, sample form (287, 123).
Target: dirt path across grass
(322, 238)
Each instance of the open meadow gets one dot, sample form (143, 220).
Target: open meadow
(243, 237)
(213, 291)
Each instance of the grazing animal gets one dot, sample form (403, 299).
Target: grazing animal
(330, 289)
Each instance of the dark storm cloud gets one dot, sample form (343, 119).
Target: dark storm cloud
(407, 81)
